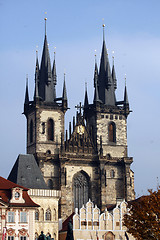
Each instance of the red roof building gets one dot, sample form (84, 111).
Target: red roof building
(17, 211)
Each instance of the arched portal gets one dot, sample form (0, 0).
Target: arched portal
(80, 189)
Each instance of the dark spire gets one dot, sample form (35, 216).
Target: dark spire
(86, 97)
(126, 102)
(96, 94)
(54, 77)
(95, 73)
(105, 82)
(26, 101)
(45, 76)
(36, 92)
(114, 76)
(64, 95)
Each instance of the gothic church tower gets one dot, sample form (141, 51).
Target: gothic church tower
(90, 161)
(106, 119)
(45, 118)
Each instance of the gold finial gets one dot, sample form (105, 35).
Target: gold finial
(36, 51)
(103, 25)
(95, 55)
(45, 22)
(54, 52)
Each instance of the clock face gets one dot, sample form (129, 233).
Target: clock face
(17, 195)
(80, 129)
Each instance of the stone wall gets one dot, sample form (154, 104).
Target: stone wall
(48, 200)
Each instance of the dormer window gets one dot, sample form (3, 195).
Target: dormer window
(17, 195)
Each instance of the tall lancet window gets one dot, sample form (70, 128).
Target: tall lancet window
(50, 125)
(80, 189)
(112, 132)
(31, 131)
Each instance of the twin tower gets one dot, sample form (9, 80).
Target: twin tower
(90, 160)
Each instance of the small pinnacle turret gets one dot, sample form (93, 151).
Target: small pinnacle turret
(36, 92)
(86, 99)
(26, 93)
(54, 78)
(26, 100)
(114, 77)
(64, 95)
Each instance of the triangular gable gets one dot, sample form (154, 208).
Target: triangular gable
(80, 140)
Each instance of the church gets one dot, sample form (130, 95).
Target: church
(89, 160)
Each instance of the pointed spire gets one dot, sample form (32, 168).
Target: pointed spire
(105, 81)
(54, 76)
(45, 77)
(96, 95)
(36, 92)
(26, 101)
(86, 97)
(126, 102)
(64, 95)
(114, 75)
(95, 72)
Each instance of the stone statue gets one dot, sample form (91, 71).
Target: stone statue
(70, 231)
(49, 237)
(42, 236)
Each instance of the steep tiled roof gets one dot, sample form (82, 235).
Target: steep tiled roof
(27, 173)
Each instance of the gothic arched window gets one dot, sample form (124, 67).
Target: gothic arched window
(50, 127)
(112, 132)
(31, 131)
(36, 215)
(48, 215)
(112, 174)
(80, 189)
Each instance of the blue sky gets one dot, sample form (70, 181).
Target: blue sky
(75, 28)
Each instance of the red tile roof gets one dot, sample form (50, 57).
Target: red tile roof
(6, 194)
(6, 184)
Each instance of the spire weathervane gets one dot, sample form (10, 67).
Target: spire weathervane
(103, 25)
(45, 23)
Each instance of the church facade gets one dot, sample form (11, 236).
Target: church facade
(90, 160)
